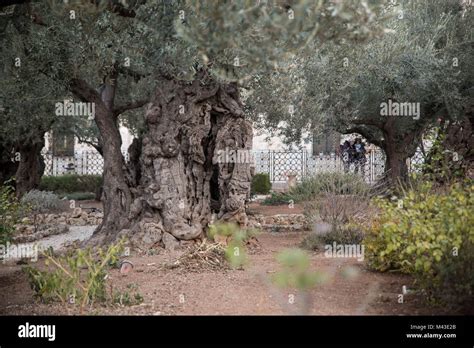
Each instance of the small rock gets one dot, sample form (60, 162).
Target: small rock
(76, 213)
(170, 242)
(126, 267)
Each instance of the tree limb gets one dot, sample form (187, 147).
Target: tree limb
(129, 106)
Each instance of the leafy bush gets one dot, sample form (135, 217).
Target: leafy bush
(336, 209)
(41, 201)
(75, 278)
(329, 182)
(429, 235)
(71, 183)
(278, 198)
(260, 184)
(10, 210)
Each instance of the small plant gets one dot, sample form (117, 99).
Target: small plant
(235, 239)
(340, 234)
(10, 210)
(296, 274)
(40, 202)
(75, 278)
(128, 297)
(277, 198)
(260, 184)
(312, 242)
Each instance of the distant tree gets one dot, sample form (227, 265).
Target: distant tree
(425, 57)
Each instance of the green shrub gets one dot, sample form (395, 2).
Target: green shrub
(429, 235)
(78, 277)
(71, 183)
(260, 184)
(312, 241)
(329, 182)
(80, 196)
(40, 202)
(277, 198)
(10, 211)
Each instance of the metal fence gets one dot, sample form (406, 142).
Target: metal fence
(86, 162)
(278, 164)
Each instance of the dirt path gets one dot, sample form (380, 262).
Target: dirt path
(249, 291)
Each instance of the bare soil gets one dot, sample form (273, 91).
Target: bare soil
(257, 208)
(234, 292)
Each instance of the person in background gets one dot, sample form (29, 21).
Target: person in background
(346, 155)
(359, 156)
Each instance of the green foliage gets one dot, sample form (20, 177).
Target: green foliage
(71, 183)
(10, 211)
(430, 235)
(278, 198)
(269, 35)
(338, 183)
(260, 184)
(80, 196)
(129, 297)
(296, 271)
(423, 57)
(78, 277)
(40, 202)
(441, 164)
(237, 238)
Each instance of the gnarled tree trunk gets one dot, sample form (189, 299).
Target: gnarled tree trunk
(178, 175)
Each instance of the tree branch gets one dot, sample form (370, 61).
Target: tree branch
(132, 73)
(94, 145)
(129, 106)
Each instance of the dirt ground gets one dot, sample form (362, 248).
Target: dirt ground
(233, 292)
(257, 208)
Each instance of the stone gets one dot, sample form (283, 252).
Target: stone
(126, 267)
(170, 242)
(76, 213)
(151, 232)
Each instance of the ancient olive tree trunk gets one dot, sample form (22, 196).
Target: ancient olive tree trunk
(186, 167)
(192, 162)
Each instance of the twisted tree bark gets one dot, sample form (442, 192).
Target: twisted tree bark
(177, 172)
